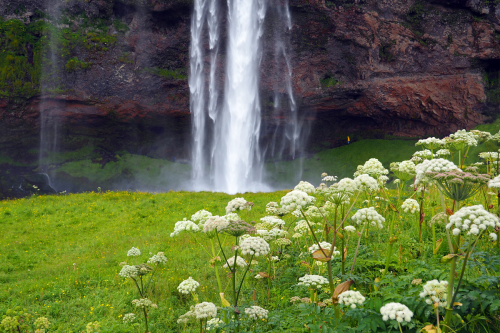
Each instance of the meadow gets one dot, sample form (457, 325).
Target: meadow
(394, 248)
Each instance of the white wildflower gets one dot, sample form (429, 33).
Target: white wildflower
(158, 258)
(493, 236)
(133, 252)
(237, 204)
(424, 154)
(443, 152)
(214, 223)
(256, 313)
(330, 179)
(305, 187)
(240, 262)
(128, 271)
(435, 292)
(396, 311)
(494, 183)
(144, 303)
(200, 217)
(184, 225)
(431, 143)
(366, 183)
(464, 138)
(372, 167)
(214, 324)
(351, 298)
(188, 286)
(232, 217)
(410, 205)
(472, 219)
(296, 200)
(129, 318)
(273, 221)
(325, 246)
(205, 310)
(255, 246)
(312, 281)
(350, 228)
(436, 165)
(368, 215)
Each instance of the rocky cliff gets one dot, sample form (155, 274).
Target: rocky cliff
(364, 68)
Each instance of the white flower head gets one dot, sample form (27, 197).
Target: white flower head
(144, 303)
(431, 143)
(133, 252)
(368, 215)
(256, 313)
(205, 310)
(463, 138)
(312, 281)
(494, 183)
(472, 219)
(325, 246)
(128, 271)
(396, 311)
(215, 223)
(351, 298)
(436, 165)
(129, 318)
(305, 187)
(184, 225)
(158, 258)
(237, 204)
(240, 262)
(410, 205)
(424, 154)
(372, 167)
(273, 221)
(296, 200)
(214, 324)
(200, 217)
(435, 292)
(255, 246)
(443, 152)
(188, 286)
(350, 228)
(366, 183)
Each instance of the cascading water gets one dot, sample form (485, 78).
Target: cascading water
(49, 124)
(226, 144)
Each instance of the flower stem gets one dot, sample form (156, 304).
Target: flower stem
(357, 249)
(215, 267)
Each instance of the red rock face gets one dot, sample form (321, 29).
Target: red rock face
(359, 66)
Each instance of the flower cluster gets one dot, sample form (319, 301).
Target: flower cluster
(368, 215)
(214, 324)
(271, 234)
(489, 156)
(366, 183)
(240, 262)
(296, 200)
(133, 252)
(184, 225)
(128, 271)
(350, 228)
(410, 205)
(283, 241)
(472, 219)
(188, 286)
(443, 152)
(312, 281)
(436, 165)
(424, 154)
(129, 318)
(305, 187)
(144, 303)
(351, 298)
(345, 185)
(330, 179)
(232, 217)
(158, 258)
(238, 204)
(255, 246)
(431, 143)
(272, 208)
(494, 183)
(201, 217)
(205, 310)
(325, 246)
(215, 223)
(372, 167)
(397, 311)
(273, 221)
(238, 228)
(435, 292)
(256, 313)
(302, 227)
(463, 138)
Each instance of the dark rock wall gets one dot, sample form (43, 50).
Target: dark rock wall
(364, 68)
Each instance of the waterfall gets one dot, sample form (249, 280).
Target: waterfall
(50, 83)
(227, 154)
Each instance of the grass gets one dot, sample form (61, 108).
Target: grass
(60, 254)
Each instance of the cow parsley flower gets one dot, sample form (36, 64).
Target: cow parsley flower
(330, 179)
(312, 281)
(296, 200)
(424, 154)
(436, 165)
(443, 152)
(129, 318)
(256, 313)
(158, 258)
(345, 185)
(305, 187)
(493, 236)
(372, 167)
(184, 225)
(403, 170)
(302, 227)
(133, 252)
(366, 183)
(128, 271)
(396, 311)
(350, 228)
(351, 298)
(200, 217)
(494, 183)
(205, 310)
(283, 241)
(232, 217)
(272, 234)
(462, 138)
(188, 286)
(472, 219)
(273, 221)
(240, 262)
(238, 204)
(272, 208)
(215, 223)
(214, 324)
(435, 292)
(431, 143)
(410, 205)
(144, 303)
(325, 246)
(368, 215)
(255, 246)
